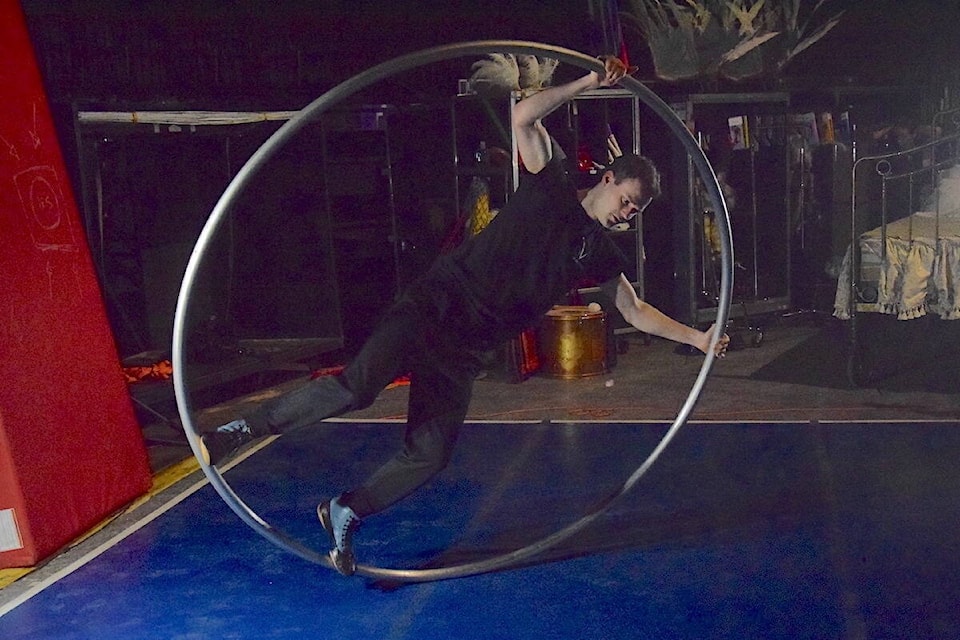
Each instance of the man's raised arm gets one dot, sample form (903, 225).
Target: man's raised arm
(533, 141)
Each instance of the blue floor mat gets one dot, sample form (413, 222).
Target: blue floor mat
(739, 531)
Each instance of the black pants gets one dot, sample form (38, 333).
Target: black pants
(409, 339)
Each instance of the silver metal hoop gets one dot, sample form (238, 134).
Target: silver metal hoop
(310, 113)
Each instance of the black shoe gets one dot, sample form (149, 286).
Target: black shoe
(219, 445)
(340, 524)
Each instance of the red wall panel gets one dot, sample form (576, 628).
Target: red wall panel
(71, 451)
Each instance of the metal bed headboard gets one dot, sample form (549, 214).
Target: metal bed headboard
(916, 167)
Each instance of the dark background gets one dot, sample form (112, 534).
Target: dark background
(904, 56)
(213, 53)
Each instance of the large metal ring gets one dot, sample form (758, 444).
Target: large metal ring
(310, 113)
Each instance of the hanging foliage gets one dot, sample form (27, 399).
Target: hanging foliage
(735, 39)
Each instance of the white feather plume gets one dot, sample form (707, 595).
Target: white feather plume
(529, 67)
(547, 67)
(498, 72)
(505, 72)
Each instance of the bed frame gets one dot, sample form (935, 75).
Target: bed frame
(904, 238)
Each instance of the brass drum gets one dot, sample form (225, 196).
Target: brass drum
(573, 343)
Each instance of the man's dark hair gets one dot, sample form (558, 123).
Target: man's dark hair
(630, 165)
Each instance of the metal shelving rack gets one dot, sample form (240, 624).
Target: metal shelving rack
(148, 180)
(760, 214)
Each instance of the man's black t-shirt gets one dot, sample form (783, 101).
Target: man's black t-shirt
(537, 248)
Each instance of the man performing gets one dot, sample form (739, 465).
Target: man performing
(497, 283)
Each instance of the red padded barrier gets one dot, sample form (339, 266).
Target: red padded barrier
(71, 451)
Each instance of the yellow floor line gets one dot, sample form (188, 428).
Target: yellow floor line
(161, 481)
(9, 576)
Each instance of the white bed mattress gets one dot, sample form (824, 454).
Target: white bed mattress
(921, 273)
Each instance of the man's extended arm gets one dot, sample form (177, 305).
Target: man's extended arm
(533, 141)
(649, 319)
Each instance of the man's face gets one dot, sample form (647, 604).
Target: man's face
(620, 201)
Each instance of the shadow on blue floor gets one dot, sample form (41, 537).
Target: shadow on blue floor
(739, 531)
